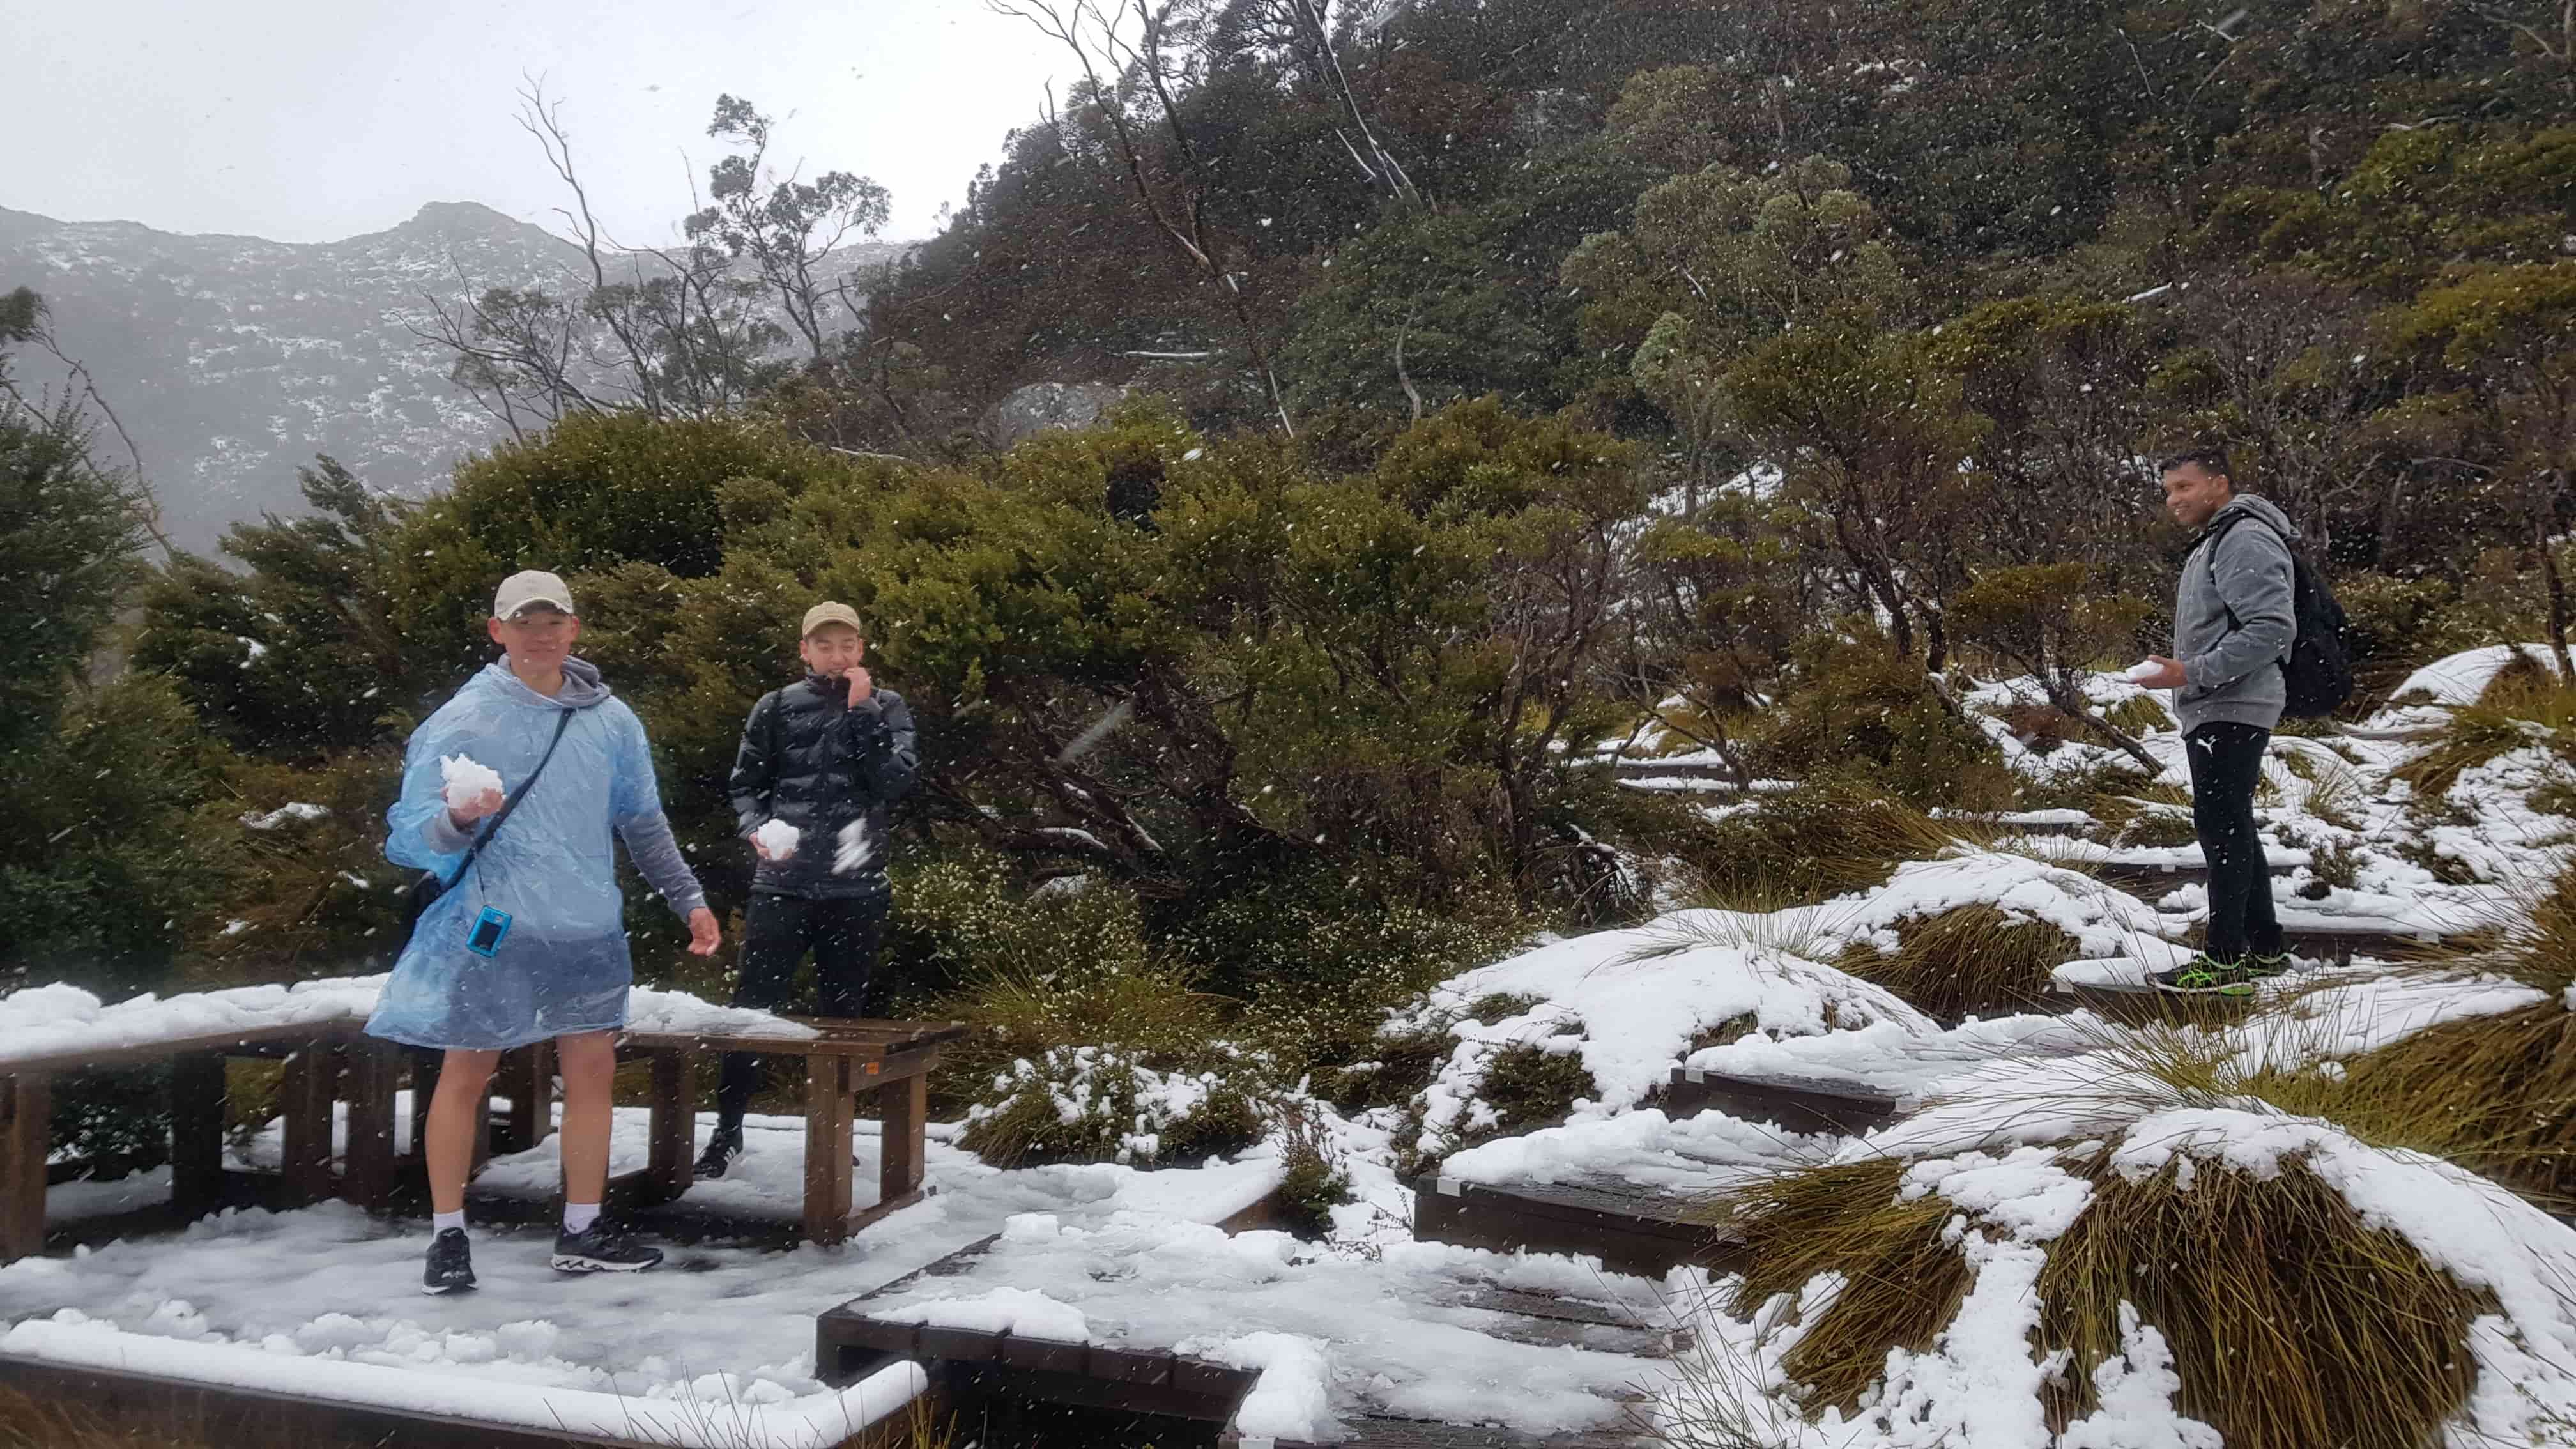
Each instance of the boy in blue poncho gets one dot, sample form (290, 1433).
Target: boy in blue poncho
(530, 943)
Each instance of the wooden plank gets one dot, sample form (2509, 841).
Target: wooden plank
(227, 1415)
(2148, 1005)
(197, 1098)
(26, 1140)
(828, 1112)
(833, 1037)
(903, 1112)
(1789, 1104)
(1384, 1433)
(527, 1077)
(371, 1068)
(306, 1092)
(673, 1130)
(239, 1042)
(1630, 1232)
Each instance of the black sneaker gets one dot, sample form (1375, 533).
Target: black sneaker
(2202, 975)
(451, 1263)
(721, 1150)
(600, 1248)
(2264, 968)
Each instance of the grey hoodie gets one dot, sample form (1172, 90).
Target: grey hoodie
(2234, 620)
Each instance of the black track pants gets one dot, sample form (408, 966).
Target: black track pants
(776, 933)
(2226, 760)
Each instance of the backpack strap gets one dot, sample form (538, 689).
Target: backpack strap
(563, 722)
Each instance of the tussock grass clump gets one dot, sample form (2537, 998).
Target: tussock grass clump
(2155, 815)
(2519, 709)
(1904, 1278)
(2498, 1093)
(1968, 960)
(1813, 844)
(2292, 1322)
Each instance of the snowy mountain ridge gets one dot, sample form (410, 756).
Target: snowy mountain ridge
(233, 359)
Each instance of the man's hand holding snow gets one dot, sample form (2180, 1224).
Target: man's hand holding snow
(2168, 673)
(861, 686)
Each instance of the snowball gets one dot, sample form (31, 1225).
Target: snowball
(2142, 671)
(778, 838)
(467, 778)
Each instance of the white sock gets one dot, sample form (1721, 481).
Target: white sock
(441, 1222)
(578, 1216)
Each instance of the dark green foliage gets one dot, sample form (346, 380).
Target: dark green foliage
(1856, 710)
(68, 535)
(300, 654)
(1529, 1086)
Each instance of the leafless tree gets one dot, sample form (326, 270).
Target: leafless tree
(1119, 71)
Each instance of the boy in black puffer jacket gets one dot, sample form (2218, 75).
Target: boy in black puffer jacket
(828, 755)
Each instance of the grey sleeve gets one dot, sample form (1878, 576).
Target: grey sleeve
(2253, 572)
(656, 853)
(443, 836)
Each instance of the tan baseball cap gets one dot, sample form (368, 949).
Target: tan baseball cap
(527, 589)
(829, 613)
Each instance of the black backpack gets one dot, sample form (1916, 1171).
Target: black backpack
(2317, 675)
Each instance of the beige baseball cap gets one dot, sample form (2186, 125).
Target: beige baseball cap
(829, 613)
(527, 589)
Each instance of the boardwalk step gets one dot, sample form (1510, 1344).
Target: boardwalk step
(1792, 1104)
(1630, 1229)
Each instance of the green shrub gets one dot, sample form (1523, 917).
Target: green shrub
(1322, 958)
(1313, 1180)
(1095, 1104)
(1529, 1086)
(1856, 711)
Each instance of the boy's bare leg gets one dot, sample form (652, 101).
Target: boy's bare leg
(452, 1126)
(589, 1066)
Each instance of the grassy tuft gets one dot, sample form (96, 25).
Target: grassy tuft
(2516, 712)
(1903, 1278)
(1968, 960)
(2292, 1321)
(2156, 815)
(1813, 844)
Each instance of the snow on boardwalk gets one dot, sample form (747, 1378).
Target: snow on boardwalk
(1422, 1331)
(327, 1301)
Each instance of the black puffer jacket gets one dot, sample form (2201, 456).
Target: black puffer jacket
(811, 760)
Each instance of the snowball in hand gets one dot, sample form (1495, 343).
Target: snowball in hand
(778, 838)
(2142, 671)
(467, 778)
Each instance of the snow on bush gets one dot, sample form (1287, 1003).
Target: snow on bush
(1096, 1104)
(1629, 1005)
(2097, 1266)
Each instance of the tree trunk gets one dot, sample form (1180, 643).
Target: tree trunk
(2557, 586)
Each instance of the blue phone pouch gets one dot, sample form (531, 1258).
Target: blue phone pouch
(489, 928)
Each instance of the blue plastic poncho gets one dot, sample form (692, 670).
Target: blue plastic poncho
(563, 966)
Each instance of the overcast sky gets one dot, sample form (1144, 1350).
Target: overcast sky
(312, 120)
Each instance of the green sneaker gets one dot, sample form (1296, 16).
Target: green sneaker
(2264, 968)
(2202, 975)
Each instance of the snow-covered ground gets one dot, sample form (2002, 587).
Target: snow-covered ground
(1370, 1320)
(717, 1331)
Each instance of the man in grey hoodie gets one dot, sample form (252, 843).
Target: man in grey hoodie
(2234, 622)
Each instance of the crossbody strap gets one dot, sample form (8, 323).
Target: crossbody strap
(563, 722)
